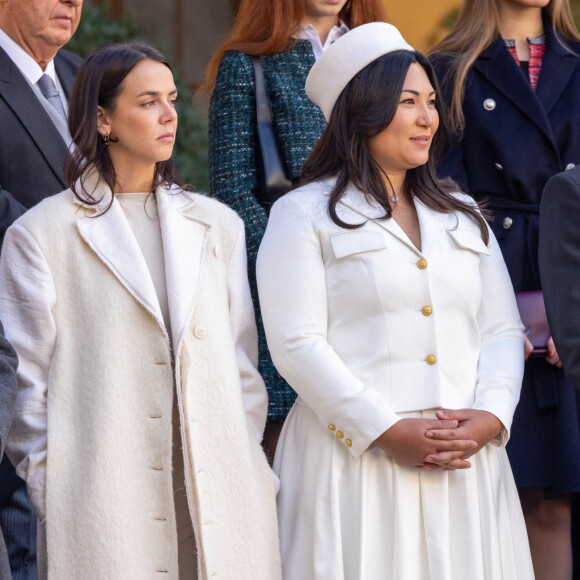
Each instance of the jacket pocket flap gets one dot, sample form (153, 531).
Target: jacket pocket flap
(469, 240)
(356, 242)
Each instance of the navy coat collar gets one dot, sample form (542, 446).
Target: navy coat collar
(498, 66)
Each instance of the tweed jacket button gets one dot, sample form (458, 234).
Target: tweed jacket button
(431, 359)
(570, 166)
(427, 310)
(217, 252)
(507, 222)
(348, 442)
(421, 264)
(200, 332)
(489, 104)
(340, 434)
(332, 427)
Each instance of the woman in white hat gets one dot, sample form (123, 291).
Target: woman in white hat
(388, 308)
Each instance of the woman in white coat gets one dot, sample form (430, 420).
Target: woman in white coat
(140, 411)
(388, 308)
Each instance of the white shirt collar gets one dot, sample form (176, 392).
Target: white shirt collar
(25, 63)
(308, 32)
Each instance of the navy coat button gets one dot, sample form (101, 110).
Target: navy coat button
(489, 104)
(507, 222)
(570, 166)
(498, 166)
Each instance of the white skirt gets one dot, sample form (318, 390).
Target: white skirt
(370, 518)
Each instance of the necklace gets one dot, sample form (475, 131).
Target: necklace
(394, 198)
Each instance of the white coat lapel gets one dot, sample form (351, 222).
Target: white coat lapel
(432, 225)
(110, 236)
(184, 239)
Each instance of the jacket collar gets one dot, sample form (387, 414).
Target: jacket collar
(498, 66)
(18, 95)
(184, 237)
(355, 209)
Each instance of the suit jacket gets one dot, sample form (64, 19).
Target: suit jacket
(363, 325)
(92, 432)
(559, 255)
(8, 386)
(32, 151)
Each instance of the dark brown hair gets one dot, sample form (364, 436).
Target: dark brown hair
(264, 27)
(366, 107)
(99, 83)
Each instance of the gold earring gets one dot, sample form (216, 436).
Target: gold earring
(106, 140)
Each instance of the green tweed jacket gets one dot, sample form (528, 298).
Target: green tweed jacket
(232, 159)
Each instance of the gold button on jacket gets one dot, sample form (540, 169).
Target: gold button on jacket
(431, 359)
(339, 434)
(421, 264)
(332, 427)
(348, 442)
(427, 310)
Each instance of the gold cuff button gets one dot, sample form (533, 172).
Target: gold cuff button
(332, 427)
(421, 264)
(348, 442)
(339, 434)
(431, 359)
(427, 310)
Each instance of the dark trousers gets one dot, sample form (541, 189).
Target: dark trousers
(18, 522)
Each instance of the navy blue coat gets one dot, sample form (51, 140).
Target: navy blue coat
(508, 153)
(513, 142)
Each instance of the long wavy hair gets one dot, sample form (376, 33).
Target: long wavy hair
(476, 28)
(265, 27)
(364, 109)
(99, 83)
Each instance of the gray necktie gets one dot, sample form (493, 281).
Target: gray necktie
(50, 92)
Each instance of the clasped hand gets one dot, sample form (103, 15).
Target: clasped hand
(443, 443)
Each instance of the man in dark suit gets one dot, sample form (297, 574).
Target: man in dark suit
(8, 385)
(36, 78)
(559, 256)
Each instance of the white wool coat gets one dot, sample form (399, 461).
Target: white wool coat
(92, 433)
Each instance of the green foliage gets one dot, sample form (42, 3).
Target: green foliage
(98, 29)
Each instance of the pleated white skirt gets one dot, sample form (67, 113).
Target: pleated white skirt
(372, 519)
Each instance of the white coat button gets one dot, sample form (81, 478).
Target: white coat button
(507, 222)
(498, 166)
(217, 252)
(570, 166)
(200, 332)
(489, 104)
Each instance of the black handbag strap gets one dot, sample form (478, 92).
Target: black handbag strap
(275, 181)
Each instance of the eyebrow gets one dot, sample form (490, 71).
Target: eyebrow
(416, 93)
(154, 93)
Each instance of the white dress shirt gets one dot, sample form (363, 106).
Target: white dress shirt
(308, 32)
(32, 72)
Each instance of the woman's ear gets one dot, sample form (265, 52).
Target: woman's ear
(103, 122)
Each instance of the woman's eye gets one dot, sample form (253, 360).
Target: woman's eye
(407, 101)
(174, 102)
(433, 102)
(148, 104)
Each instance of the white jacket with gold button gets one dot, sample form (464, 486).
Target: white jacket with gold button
(364, 326)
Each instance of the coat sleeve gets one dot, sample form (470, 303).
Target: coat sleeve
(501, 358)
(27, 297)
(559, 257)
(292, 288)
(254, 396)
(8, 386)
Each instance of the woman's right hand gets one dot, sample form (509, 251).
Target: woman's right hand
(407, 444)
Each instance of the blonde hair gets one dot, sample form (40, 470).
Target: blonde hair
(476, 28)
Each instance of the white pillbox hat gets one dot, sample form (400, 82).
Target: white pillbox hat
(347, 56)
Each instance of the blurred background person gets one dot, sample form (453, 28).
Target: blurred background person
(510, 72)
(288, 36)
(36, 78)
(388, 308)
(140, 410)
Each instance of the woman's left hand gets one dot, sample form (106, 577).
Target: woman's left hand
(552, 356)
(476, 425)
